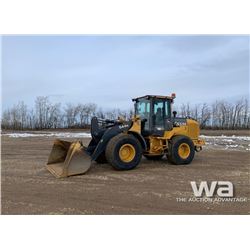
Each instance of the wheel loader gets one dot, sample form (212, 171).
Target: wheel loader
(154, 131)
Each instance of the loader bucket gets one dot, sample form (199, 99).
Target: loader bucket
(68, 158)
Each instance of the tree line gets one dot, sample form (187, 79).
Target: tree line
(48, 115)
(220, 114)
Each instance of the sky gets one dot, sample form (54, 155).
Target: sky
(111, 70)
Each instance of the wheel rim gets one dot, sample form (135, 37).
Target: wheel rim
(184, 150)
(127, 152)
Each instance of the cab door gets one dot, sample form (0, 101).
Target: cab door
(158, 117)
(143, 109)
(161, 115)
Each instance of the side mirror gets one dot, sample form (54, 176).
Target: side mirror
(174, 113)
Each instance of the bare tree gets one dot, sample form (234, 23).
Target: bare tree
(185, 110)
(15, 117)
(31, 119)
(6, 119)
(55, 116)
(246, 114)
(100, 113)
(42, 109)
(90, 109)
(205, 115)
(71, 112)
(236, 114)
(23, 114)
(82, 113)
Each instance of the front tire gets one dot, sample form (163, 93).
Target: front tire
(123, 152)
(181, 150)
(101, 159)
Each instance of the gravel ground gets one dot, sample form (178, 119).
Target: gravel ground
(154, 187)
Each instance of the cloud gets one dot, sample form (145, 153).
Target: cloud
(110, 70)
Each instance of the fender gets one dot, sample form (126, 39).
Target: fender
(110, 133)
(140, 138)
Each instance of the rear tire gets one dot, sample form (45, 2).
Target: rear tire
(181, 150)
(153, 157)
(124, 152)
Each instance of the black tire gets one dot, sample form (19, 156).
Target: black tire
(101, 159)
(173, 151)
(153, 157)
(169, 156)
(113, 149)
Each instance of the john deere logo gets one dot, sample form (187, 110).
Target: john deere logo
(123, 126)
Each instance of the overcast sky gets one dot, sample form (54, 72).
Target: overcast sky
(110, 70)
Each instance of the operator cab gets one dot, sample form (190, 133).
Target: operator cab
(155, 113)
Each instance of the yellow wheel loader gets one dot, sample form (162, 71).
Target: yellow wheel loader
(153, 132)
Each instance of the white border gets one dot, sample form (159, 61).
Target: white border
(124, 232)
(124, 17)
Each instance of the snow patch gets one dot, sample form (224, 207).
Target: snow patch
(49, 134)
(224, 137)
(227, 142)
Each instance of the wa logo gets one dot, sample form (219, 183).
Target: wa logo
(222, 188)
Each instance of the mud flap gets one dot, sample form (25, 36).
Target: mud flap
(68, 158)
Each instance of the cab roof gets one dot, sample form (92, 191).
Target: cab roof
(154, 96)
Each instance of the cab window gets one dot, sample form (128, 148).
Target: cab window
(143, 110)
(158, 115)
(167, 109)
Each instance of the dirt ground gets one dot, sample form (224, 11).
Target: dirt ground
(154, 187)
